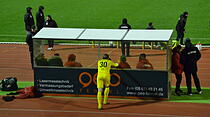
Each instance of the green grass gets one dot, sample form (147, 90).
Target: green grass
(108, 14)
(195, 98)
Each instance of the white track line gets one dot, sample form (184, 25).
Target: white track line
(90, 112)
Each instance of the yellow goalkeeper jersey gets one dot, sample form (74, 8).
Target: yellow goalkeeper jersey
(104, 66)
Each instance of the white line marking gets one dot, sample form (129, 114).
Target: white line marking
(90, 112)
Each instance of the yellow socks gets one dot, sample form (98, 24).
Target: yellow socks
(99, 98)
(106, 93)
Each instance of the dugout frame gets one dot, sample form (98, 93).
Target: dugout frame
(55, 80)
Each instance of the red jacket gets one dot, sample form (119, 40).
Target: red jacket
(124, 65)
(144, 64)
(71, 61)
(72, 64)
(177, 67)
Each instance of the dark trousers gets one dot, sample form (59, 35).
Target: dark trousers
(50, 43)
(189, 83)
(180, 36)
(31, 55)
(127, 44)
(178, 82)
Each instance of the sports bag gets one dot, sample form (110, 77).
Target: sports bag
(9, 84)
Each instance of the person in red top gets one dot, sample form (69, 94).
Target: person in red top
(177, 68)
(123, 64)
(71, 61)
(143, 63)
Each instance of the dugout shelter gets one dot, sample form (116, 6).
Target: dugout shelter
(81, 81)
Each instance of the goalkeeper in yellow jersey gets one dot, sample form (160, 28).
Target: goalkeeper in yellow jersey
(103, 78)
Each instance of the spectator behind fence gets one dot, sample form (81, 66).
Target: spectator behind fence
(55, 60)
(72, 61)
(143, 63)
(123, 64)
(40, 60)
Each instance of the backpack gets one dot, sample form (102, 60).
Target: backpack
(9, 84)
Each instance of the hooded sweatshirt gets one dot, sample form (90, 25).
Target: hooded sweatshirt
(40, 18)
(189, 57)
(180, 27)
(28, 19)
(50, 23)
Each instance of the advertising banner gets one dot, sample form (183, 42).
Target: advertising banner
(82, 81)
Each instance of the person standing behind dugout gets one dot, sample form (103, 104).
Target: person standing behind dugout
(29, 42)
(40, 18)
(189, 57)
(177, 68)
(28, 19)
(180, 27)
(103, 79)
(151, 27)
(52, 24)
(125, 25)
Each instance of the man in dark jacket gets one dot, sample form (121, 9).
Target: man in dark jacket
(180, 27)
(28, 19)
(150, 26)
(40, 18)
(125, 25)
(50, 23)
(29, 42)
(189, 57)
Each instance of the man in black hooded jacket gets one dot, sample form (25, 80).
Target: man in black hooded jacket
(125, 25)
(189, 57)
(28, 19)
(40, 18)
(50, 23)
(180, 27)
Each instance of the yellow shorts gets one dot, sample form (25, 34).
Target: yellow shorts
(103, 79)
